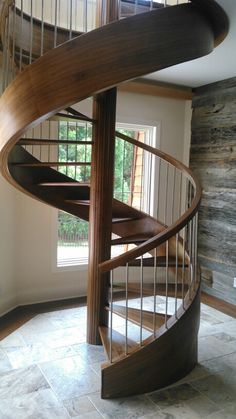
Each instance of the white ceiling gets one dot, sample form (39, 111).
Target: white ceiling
(219, 65)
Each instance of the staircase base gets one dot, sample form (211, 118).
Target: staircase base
(164, 361)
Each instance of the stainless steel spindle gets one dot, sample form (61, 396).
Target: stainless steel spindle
(13, 40)
(4, 58)
(154, 292)
(55, 26)
(176, 272)
(180, 193)
(76, 19)
(190, 257)
(150, 186)
(142, 183)
(119, 9)
(70, 21)
(9, 34)
(126, 307)
(173, 196)
(59, 14)
(195, 251)
(49, 136)
(141, 300)
(159, 185)
(32, 147)
(166, 193)
(111, 315)
(123, 173)
(136, 7)
(76, 149)
(167, 282)
(67, 146)
(151, 4)
(31, 32)
(183, 267)
(85, 23)
(42, 29)
(40, 147)
(21, 33)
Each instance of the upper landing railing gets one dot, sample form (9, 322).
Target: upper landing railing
(29, 28)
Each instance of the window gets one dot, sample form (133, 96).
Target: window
(131, 184)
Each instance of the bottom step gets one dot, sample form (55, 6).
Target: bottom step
(148, 320)
(118, 343)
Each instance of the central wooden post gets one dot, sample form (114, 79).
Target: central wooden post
(101, 195)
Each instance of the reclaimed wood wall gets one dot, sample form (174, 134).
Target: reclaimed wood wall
(213, 158)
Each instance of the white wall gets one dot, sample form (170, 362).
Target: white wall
(36, 280)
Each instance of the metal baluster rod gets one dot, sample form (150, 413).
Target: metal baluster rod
(13, 40)
(141, 300)
(159, 186)
(85, 18)
(111, 316)
(126, 308)
(8, 55)
(176, 272)
(31, 32)
(70, 21)
(167, 281)
(154, 292)
(173, 196)
(42, 28)
(55, 26)
(21, 33)
(183, 267)
(166, 193)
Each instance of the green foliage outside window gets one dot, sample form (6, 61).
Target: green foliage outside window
(72, 229)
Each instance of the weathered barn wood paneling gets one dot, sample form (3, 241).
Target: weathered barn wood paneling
(213, 158)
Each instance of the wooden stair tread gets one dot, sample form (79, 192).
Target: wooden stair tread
(78, 201)
(118, 343)
(160, 261)
(148, 289)
(51, 164)
(117, 220)
(67, 117)
(134, 316)
(74, 112)
(34, 141)
(76, 184)
(135, 238)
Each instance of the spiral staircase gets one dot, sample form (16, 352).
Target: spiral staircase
(150, 335)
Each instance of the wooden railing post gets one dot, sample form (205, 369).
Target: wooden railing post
(101, 194)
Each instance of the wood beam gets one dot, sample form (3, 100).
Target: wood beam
(154, 88)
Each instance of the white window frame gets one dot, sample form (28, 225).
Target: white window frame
(149, 203)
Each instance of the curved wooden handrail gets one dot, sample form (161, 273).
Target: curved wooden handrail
(218, 18)
(170, 231)
(189, 174)
(33, 96)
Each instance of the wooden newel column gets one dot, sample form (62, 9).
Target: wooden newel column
(101, 194)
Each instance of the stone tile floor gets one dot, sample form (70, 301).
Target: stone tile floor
(47, 371)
